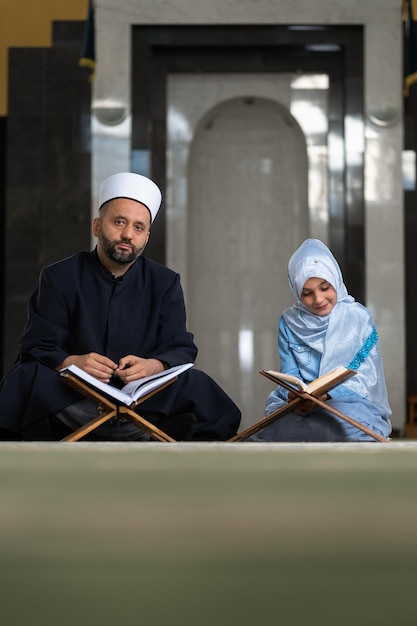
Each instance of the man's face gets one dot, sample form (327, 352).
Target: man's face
(123, 230)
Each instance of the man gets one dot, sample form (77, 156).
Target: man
(119, 316)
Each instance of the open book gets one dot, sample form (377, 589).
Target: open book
(133, 391)
(319, 385)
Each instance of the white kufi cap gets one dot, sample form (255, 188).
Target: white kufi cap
(134, 187)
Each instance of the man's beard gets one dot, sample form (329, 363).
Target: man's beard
(123, 256)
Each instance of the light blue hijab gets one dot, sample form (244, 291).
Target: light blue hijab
(313, 260)
(343, 334)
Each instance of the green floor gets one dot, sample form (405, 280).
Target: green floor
(208, 534)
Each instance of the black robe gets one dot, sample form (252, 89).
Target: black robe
(79, 307)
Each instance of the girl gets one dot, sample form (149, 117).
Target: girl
(324, 329)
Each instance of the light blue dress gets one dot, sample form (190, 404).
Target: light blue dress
(310, 345)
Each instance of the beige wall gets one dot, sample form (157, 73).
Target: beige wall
(29, 23)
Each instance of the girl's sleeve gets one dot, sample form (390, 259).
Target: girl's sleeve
(279, 396)
(288, 364)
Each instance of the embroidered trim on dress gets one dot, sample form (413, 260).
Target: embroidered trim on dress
(364, 351)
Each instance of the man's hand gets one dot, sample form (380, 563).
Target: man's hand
(134, 367)
(95, 364)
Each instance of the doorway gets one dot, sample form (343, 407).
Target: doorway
(247, 176)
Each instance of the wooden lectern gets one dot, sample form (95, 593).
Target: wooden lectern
(110, 409)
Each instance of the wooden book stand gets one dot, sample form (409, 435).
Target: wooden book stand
(110, 409)
(291, 406)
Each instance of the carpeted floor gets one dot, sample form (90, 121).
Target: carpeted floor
(208, 534)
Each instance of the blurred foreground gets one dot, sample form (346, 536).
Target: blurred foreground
(208, 534)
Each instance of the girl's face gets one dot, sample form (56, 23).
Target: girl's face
(318, 296)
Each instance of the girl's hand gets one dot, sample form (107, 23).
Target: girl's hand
(308, 405)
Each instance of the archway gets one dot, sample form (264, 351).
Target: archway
(247, 211)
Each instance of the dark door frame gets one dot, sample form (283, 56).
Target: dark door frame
(158, 51)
